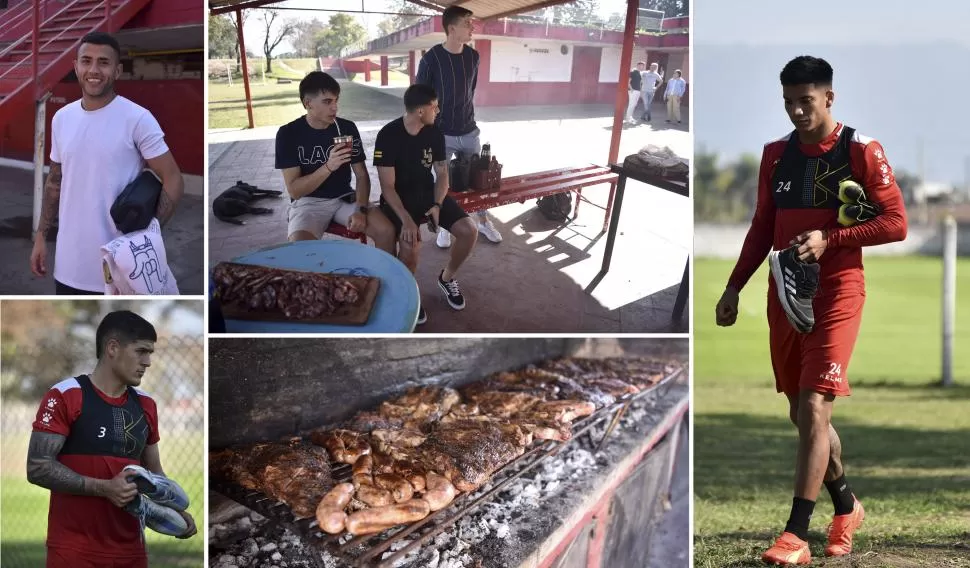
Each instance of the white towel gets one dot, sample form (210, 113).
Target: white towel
(136, 264)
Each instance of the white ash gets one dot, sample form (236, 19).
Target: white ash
(251, 541)
(453, 548)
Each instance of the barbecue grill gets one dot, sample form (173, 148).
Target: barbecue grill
(666, 400)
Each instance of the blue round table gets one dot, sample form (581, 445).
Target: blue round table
(395, 309)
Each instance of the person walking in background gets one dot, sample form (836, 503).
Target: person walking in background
(633, 89)
(451, 68)
(676, 88)
(651, 81)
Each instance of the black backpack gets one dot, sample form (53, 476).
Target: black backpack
(134, 208)
(556, 207)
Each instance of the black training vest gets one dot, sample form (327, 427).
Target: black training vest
(106, 430)
(802, 182)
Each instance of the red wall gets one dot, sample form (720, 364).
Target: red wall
(182, 122)
(360, 66)
(164, 13)
(525, 93)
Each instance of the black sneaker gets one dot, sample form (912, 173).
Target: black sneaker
(797, 283)
(452, 292)
(422, 315)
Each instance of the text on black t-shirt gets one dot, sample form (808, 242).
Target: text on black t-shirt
(412, 158)
(300, 145)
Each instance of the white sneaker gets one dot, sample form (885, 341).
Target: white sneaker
(444, 239)
(486, 228)
(157, 517)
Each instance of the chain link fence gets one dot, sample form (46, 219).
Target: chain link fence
(175, 381)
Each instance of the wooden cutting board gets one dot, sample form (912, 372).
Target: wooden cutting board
(353, 314)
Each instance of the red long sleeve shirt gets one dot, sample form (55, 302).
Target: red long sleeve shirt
(841, 263)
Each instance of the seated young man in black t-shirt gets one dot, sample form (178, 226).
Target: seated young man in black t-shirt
(404, 153)
(317, 174)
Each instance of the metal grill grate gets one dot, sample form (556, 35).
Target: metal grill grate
(365, 551)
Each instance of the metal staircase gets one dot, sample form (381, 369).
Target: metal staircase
(47, 35)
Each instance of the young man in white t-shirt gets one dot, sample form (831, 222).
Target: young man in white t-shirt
(99, 144)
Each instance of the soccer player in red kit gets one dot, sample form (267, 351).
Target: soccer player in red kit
(87, 430)
(817, 287)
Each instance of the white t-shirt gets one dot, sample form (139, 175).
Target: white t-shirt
(100, 152)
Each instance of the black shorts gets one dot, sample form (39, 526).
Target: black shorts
(450, 213)
(62, 289)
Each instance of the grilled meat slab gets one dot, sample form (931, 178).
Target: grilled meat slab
(294, 473)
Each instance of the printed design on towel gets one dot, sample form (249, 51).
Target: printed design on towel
(145, 260)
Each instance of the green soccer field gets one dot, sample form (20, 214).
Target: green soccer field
(906, 441)
(23, 521)
(276, 104)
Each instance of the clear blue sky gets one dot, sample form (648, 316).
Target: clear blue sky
(881, 51)
(765, 22)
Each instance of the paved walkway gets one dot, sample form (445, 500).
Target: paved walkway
(534, 280)
(183, 236)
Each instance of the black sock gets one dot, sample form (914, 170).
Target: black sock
(801, 514)
(842, 497)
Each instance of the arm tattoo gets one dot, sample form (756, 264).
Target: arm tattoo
(51, 201)
(165, 209)
(44, 470)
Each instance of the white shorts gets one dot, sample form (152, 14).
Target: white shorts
(314, 214)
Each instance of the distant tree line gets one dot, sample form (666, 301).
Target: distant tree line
(316, 38)
(726, 192)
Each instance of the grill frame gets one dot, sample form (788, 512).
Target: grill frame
(375, 545)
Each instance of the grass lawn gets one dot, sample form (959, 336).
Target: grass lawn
(394, 78)
(906, 441)
(276, 104)
(23, 521)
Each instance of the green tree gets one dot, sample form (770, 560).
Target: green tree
(670, 8)
(342, 30)
(907, 183)
(616, 21)
(277, 29)
(576, 13)
(305, 37)
(414, 15)
(244, 15)
(222, 37)
(724, 193)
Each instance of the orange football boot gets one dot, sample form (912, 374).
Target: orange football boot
(842, 529)
(788, 549)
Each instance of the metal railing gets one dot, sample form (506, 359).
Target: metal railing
(34, 39)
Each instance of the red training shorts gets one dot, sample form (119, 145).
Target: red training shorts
(819, 360)
(63, 558)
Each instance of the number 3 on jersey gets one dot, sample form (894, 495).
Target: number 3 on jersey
(103, 430)
(783, 186)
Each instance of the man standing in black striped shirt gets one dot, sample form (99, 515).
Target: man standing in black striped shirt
(451, 68)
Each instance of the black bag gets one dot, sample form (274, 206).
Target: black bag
(134, 209)
(459, 172)
(556, 207)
